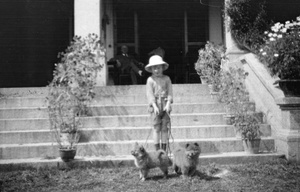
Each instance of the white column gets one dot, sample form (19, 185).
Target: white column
(215, 22)
(233, 52)
(109, 30)
(87, 19)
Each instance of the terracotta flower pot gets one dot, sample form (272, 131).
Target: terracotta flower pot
(203, 79)
(67, 154)
(229, 119)
(251, 146)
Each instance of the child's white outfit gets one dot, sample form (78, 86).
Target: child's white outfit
(159, 91)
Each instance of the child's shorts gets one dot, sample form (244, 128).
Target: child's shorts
(160, 121)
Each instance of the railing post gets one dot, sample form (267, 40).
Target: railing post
(288, 139)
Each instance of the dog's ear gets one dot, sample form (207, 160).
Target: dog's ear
(196, 144)
(186, 145)
(142, 149)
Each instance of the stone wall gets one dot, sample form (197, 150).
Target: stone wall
(282, 113)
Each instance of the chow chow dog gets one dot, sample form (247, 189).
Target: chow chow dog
(145, 161)
(186, 159)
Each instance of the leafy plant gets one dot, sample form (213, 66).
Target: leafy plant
(248, 21)
(281, 50)
(209, 61)
(233, 90)
(247, 125)
(234, 94)
(72, 87)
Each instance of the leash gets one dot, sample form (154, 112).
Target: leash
(169, 152)
(146, 142)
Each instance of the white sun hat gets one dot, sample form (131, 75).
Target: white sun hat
(156, 60)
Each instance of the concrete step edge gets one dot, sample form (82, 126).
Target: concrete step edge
(120, 116)
(128, 161)
(117, 105)
(134, 141)
(127, 128)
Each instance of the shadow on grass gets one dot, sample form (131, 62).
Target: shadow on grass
(198, 174)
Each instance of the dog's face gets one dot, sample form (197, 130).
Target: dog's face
(138, 151)
(192, 150)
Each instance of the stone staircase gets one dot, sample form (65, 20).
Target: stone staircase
(120, 119)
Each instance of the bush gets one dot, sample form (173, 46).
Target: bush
(233, 90)
(72, 87)
(248, 21)
(209, 62)
(281, 51)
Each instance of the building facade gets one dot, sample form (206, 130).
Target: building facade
(36, 31)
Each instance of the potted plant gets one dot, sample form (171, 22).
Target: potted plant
(239, 109)
(64, 120)
(209, 63)
(281, 54)
(247, 125)
(233, 93)
(72, 90)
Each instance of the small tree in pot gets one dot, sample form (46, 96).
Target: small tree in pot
(209, 63)
(233, 92)
(72, 90)
(247, 125)
(239, 109)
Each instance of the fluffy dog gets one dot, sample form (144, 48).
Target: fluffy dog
(145, 161)
(186, 159)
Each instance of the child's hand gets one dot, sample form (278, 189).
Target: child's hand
(156, 110)
(168, 108)
(119, 63)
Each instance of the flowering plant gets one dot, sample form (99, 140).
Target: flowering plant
(72, 87)
(209, 61)
(281, 51)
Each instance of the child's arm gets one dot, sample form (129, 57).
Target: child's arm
(150, 96)
(168, 108)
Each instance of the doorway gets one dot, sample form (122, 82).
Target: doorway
(176, 26)
(161, 28)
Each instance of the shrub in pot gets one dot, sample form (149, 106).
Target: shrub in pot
(247, 125)
(72, 90)
(233, 93)
(239, 109)
(209, 63)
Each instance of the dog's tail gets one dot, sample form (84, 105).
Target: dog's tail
(162, 154)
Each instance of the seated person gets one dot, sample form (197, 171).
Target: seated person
(158, 51)
(126, 64)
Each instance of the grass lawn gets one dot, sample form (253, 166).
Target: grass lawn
(272, 176)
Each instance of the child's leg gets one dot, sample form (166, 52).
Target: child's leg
(157, 131)
(156, 136)
(164, 139)
(165, 131)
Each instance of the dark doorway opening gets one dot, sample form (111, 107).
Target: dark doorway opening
(33, 33)
(162, 26)
(174, 25)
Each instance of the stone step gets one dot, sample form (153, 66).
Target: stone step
(125, 134)
(184, 119)
(112, 148)
(99, 110)
(178, 89)
(128, 161)
(21, 102)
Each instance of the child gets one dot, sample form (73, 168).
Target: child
(160, 98)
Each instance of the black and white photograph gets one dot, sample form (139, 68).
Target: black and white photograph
(149, 96)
